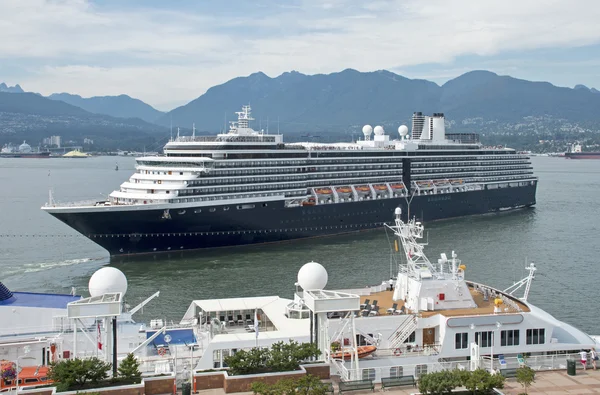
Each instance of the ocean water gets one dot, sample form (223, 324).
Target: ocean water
(39, 253)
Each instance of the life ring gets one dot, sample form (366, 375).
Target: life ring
(397, 352)
(162, 352)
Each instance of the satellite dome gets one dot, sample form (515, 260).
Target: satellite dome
(403, 130)
(312, 276)
(107, 280)
(367, 130)
(24, 147)
(379, 130)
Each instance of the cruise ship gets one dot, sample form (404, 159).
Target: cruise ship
(247, 186)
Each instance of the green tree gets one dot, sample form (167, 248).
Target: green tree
(442, 382)
(480, 381)
(77, 372)
(129, 368)
(525, 377)
(248, 362)
(280, 358)
(307, 385)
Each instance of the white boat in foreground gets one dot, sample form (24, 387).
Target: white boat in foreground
(427, 318)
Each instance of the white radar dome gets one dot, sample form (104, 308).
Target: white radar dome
(312, 276)
(379, 130)
(107, 280)
(403, 130)
(24, 147)
(367, 129)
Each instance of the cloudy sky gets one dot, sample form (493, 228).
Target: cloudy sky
(167, 52)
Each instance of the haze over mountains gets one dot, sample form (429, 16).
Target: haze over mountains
(336, 102)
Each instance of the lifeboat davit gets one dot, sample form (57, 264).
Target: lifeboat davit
(346, 354)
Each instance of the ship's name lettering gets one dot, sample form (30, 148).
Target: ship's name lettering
(438, 198)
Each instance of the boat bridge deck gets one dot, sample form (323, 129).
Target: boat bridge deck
(484, 305)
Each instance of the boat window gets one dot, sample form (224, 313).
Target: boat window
(461, 341)
(420, 369)
(483, 339)
(368, 374)
(33, 380)
(536, 336)
(396, 371)
(217, 358)
(509, 337)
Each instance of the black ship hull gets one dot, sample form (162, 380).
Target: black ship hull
(137, 231)
(582, 155)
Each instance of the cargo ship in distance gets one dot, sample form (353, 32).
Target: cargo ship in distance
(576, 153)
(23, 151)
(246, 186)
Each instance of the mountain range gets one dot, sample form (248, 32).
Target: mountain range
(336, 103)
(10, 89)
(121, 106)
(32, 117)
(304, 102)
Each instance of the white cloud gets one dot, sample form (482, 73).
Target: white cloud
(172, 56)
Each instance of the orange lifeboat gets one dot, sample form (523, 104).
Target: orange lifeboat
(363, 188)
(310, 202)
(343, 189)
(346, 355)
(380, 187)
(456, 182)
(424, 184)
(323, 191)
(398, 186)
(29, 376)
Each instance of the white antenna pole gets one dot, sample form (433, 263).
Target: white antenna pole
(177, 132)
(277, 125)
(171, 127)
(193, 129)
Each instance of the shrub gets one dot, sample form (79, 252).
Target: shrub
(77, 372)
(442, 382)
(281, 357)
(481, 381)
(129, 368)
(307, 385)
(525, 376)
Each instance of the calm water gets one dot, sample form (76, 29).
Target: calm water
(560, 235)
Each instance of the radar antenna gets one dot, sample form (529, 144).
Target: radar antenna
(526, 281)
